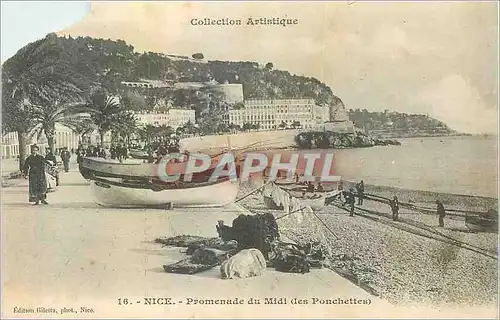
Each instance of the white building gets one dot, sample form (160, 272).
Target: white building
(173, 117)
(64, 137)
(270, 114)
(145, 83)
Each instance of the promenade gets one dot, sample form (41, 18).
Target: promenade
(73, 253)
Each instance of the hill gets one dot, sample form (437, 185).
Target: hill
(93, 62)
(394, 124)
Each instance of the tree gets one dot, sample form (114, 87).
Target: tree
(282, 125)
(296, 124)
(147, 132)
(15, 118)
(247, 126)
(189, 127)
(126, 127)
(239, 105)
(269, 66)
(106, 113)
(165, 130)
(198, 56)
(39, 74)
(222, 128)
(235, 127)
(82, 128)
(46, 116)
(179, 131)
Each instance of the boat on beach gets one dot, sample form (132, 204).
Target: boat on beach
(485, 222)
(133, 183)
(134, 168)
(316, 203)
(119, 193)
(308, 197)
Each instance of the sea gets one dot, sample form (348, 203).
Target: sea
(465, 165)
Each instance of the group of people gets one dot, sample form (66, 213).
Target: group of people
(350, 196)
(161, 147)
(155, 151)
(119, 152)
(350, 200)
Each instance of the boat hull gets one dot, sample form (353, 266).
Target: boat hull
(135, 168)
(316, 204)
(481, 224)
(213, 195)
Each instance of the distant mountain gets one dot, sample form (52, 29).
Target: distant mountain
(398, 124)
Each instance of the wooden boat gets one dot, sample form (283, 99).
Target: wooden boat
(120, 193)
(316, 203)
(486, 222)
(133, 168)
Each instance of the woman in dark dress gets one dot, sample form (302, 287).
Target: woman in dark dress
(34, 168)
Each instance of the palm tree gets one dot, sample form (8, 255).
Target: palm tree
(107, 114)
(147, 132)
(15, 119)
(179, 131)
(34, 76)
(127, 126)
(82, 128)
(165, 130)
(45, 118)
(189, 127)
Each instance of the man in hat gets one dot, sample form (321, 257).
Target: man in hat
(441, 212)
(34, 168)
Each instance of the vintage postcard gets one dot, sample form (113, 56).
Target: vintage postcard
(238, 159)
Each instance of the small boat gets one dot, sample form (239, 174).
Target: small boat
(485, 222)
(133, 168)
(119, 193)
(316, 202)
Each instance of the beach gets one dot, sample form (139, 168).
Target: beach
(406, 262)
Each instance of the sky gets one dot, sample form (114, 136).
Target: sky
(27, 21)
(436, 58)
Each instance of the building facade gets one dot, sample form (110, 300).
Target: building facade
(173, 117)
(147, 84)
(270, 114)
(64, 137)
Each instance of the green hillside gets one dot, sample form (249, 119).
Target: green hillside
(92, 62)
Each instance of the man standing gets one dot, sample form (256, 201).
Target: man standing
(441, 213)
(350, 200)
(360, 187)
(34, 166)
(65, 156)
(394, 203)
(80, 153)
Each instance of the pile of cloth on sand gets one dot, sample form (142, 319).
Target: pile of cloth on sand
(245, 249)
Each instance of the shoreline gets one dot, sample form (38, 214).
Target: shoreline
(465, 201)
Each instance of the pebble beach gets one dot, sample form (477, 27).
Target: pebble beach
(408, 262)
